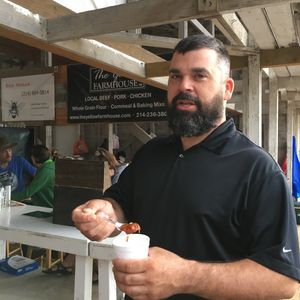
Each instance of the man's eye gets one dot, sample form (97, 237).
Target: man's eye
(199, 76)
(174, 76)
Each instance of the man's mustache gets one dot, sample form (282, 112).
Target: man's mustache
(185, 96)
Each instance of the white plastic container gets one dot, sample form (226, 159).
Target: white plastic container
(131, 246)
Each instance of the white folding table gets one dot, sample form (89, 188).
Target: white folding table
(41, 232)
(104, 253)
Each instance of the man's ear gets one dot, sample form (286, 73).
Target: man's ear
(229, 87)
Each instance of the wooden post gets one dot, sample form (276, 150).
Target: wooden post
(255, 100)
(289, 135)
(273, 117)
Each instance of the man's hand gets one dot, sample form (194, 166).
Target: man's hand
(156, 277)
(87, 219)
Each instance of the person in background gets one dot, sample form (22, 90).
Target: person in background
(55, 154)
(116, 167)
(41, 188)
(104, 144)
(121, 157)
(80, 147)
(14, 165)
(283, 166)
(217, 208)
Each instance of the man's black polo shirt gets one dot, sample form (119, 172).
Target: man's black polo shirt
(224, 199)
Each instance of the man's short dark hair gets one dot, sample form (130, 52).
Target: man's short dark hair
(40, 153)
(200, 41)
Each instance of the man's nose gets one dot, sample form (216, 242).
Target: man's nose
(186, 84)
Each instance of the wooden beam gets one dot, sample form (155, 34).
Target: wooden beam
(268, 58)
(119, 17)
(99, 55)
(140, 133)
(238, 62)
(289, 82)
(162, 68)
(83, 51)
(157, 69)
(88, 52)
(232, 28)
(164, 42)
(238, 5)
(51, 9)
(139, 39)
(280, 57)
(293, 96)
(135, 51)
(22, 21)
(296, 20)
(45, 8)
(200, 27)
(146, 13)
(234, 50)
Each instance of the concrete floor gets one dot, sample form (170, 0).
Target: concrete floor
(39, 286)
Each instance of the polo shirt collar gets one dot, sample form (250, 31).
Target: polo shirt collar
(216, 141)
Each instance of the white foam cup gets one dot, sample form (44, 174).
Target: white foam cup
(131, 246)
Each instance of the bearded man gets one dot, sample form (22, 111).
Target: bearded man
(216, 207)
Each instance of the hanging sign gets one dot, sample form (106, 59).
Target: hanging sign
(95, 95)
(28, 98)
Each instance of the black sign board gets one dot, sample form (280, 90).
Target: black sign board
(95, 95)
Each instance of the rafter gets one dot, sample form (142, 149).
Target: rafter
(280, 57)
(289, 82)
(139, 39)
(232, 28)
(45, 8)
(293, 96)
(11, 16)
(159, 69)
(27, 28)
(268, 58)
(30, 29)
(146, 13)
(50, 9)
(296, 19)
(200, 27)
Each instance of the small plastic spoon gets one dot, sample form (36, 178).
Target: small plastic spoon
(126, 227)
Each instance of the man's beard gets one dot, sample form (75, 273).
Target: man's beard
(195, 123)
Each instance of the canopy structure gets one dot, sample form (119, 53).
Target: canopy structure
(128, 38)
(135, 38)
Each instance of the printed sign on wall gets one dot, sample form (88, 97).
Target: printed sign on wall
(95, 95)
(28, 98)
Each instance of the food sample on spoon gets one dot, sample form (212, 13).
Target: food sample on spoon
(128, 228)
